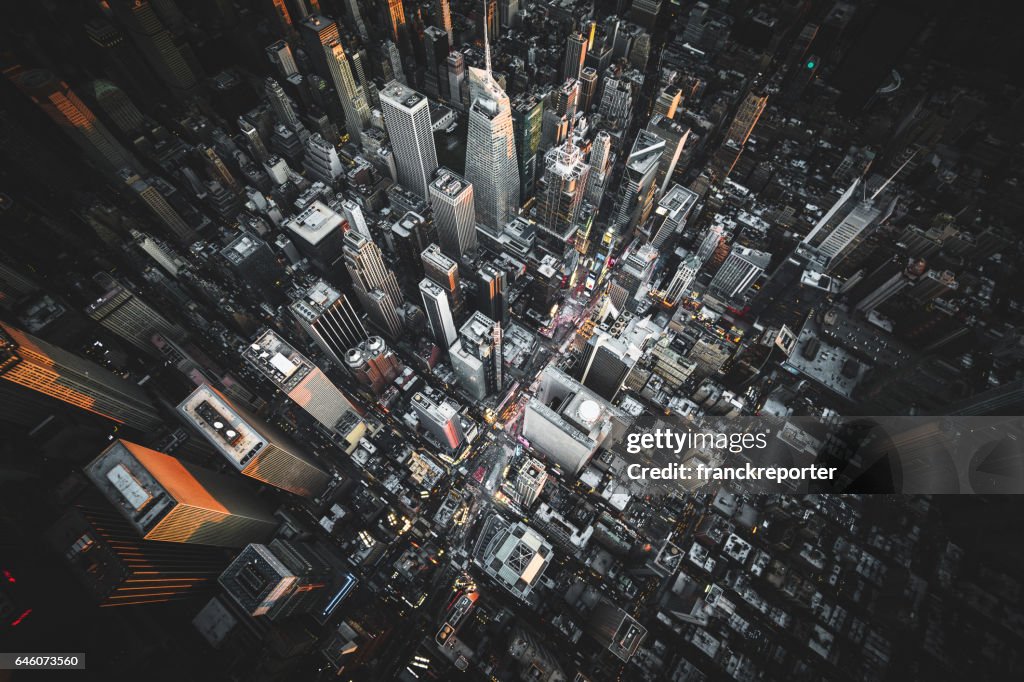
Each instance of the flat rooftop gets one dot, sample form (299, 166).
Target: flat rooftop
(224, 428)
(315, 222)
(278, 360)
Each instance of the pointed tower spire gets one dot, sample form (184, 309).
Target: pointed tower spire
(893, 176)
(487, 44)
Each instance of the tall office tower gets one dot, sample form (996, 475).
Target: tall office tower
(711, 242)
(568, 422)
(600, 167)
(512, 554)
(530, 480)
(107, 556)
(394, 62)
(351, 95)
(645, 13)
(682, 280)
(321, 161)
(488, 20)
(281, 57)
(318, 234)
(637, 187)
(454, 211)
(442, 270)
(251, 445)
(117, 106)
(435, 77)
(128, 317)
(850, 220)
(668, 101)
(317, 32)
(739, 271)
(279, 580)
(608, 362)
(615, 629)
(171, 500)
(298, 378)
(456, 79)
(566, 98)
(219, 169)
(409, 235)
(280, 104)
(507, 11)
(330, 320)
(71, 114)
(575, 55)
(560, 195)
(156, 44)
(439, 419)
(373, 363)
(439, 313)
(492, 293)
(527, 123)
(253, 140)
(491, 165)
(443, 11)
(884, 282)
(284, 18)
(396, 14)
(156, 203)
(746, 118)
(477, 357)
(675, 137)
(28, 364)
(673, 208)
(254, 265)
(354, 215)
(588, 88)
(375, 285)
(407, 118)
(355, 17)
(616, 101)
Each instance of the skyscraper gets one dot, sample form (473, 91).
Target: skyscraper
(439, 313)
(252, 446)
(443, 10)
(396, 14)
(455, 214)
(321, 160)
(373, 363)
(354, 215)
(117, 106)
(600, 163)
(149, 194)
(119, 568)
(124, 314)
(637, 187)
(491, 165)
(675, 206)
(407, 118)
(530, 480)
(30, 363)
(317, 32)
(739, 271)
(439, 419)
(62, 106)
(159, 48)
(306, 384)
(852, 218)
(171, 500)
(375, 285)
(442, 270)
(435, 76)
(746, 118)
(682, 279)
(279, 580)
(280, 55)
(280, 104)
(561, 192)
(675, 137)
(575, 56)
(330, 320)
(491, 297)
(588, 88)
(477, 356)
(527, 123)
(350, 93)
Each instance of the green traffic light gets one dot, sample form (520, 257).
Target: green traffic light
(810, 65)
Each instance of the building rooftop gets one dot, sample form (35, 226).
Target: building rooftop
(222, 426)
(276, 359)
(315, 222)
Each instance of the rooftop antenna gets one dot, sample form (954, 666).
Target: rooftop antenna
(893, 176)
